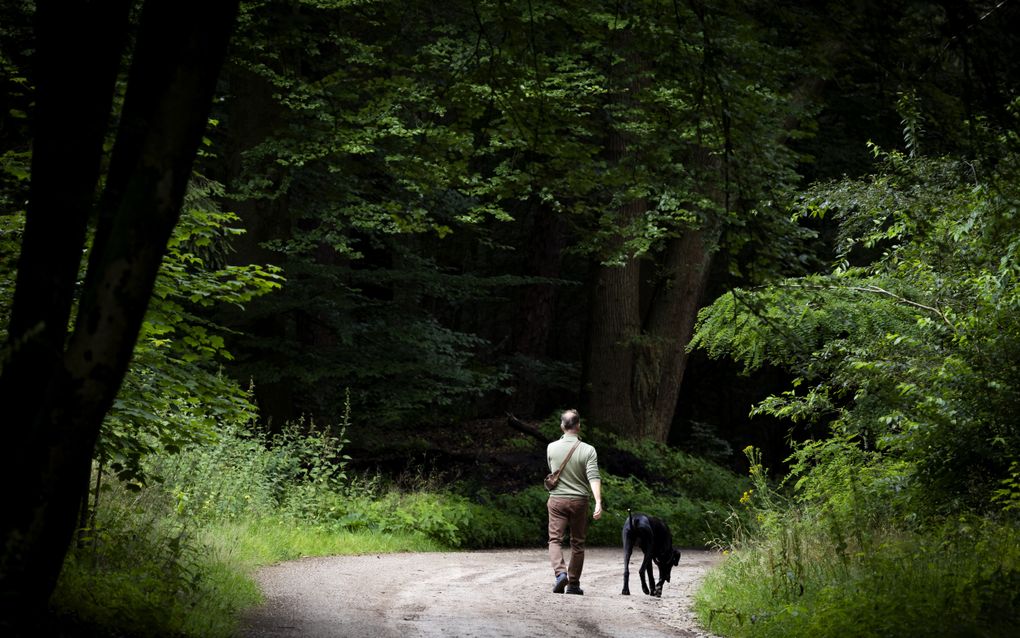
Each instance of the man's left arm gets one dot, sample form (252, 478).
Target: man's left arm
(595, 481)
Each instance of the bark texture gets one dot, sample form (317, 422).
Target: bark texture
(58, 390)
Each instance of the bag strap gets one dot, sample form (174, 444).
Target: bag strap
(567, 458)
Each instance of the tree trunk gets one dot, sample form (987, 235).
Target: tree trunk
(662, 354)
(73, 98)
(59, 400)
(614, 326)
(636, 350)
(252, 116)
(534, 315)
(636, 360)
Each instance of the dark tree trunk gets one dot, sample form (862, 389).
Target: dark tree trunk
(251, 117)
(614, 326)
(57, 396)
(635, 359)
(637, 336)
(535, 314)
(661, 358)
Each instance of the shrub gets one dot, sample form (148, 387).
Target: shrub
(142, 571)
(959, 580)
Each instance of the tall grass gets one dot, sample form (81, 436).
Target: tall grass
(798, 570)
(945, 583)
(176, 558)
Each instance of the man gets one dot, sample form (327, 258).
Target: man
(568, 501)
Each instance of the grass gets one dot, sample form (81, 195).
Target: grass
(169, 583)
(960, 580)
(253, 543)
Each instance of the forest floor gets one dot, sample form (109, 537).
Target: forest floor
(480, 593)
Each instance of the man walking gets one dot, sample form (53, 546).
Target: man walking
(568, 501)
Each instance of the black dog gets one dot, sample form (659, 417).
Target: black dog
(653, 536)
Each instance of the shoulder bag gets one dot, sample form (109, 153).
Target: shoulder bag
(554, 477)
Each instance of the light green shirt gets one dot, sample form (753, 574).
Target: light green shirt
(582, 467)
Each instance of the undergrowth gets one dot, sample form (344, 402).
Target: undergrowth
(176, 557)
(961, 580)
(849, 569)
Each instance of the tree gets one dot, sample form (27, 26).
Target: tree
(399, 161)
(344, 145)
(56, 388)
(910, 356)
(698, 130)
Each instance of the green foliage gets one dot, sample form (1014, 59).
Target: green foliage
(148, 568)
(803, 577)
(11, 228)
(143, 571)
(174, 392)
(246, 473)
(404, 150)
(681, 473)
(911, 353)
(905, 511)
(299, 475)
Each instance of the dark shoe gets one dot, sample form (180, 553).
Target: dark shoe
(575, 589)
(561, 583)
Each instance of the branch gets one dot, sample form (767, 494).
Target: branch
(882, 291)
(903, 300)
(521, 426)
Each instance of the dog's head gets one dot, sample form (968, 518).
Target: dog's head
(667, 562)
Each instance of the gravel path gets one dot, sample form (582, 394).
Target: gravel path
(493, 593)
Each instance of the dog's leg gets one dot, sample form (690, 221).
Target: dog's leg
(646, 566)
(629, 535)
(658, 586)
(628, 547)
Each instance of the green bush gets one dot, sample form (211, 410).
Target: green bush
(142, 571)
(962, 579)
(244, 472)
(681, 473)
(833, 559)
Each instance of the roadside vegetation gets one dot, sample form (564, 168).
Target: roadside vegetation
(901, 517)
(176, 556)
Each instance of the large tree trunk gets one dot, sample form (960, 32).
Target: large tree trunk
(636, 359)
(614, 327)
(638, 334)
(252, 117)
(73, 97)
(661, 357)
(534, 316)
(56, 396)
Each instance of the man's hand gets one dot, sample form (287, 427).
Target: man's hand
(598, 510)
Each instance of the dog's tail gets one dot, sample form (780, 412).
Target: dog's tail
(630, 519)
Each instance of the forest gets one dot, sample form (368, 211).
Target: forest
(285, 278)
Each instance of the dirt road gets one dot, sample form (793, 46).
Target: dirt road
(495, 593)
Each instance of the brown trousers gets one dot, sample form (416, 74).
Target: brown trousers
(567, 513)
